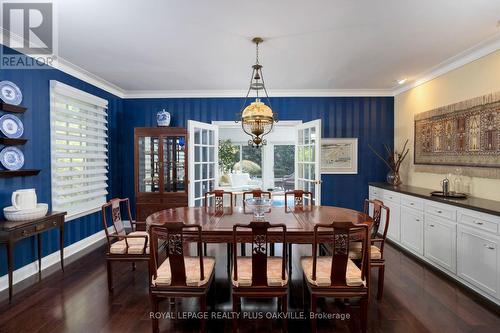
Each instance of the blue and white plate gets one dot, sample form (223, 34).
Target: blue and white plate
(10, 93)
(12, 158)
(11, 126)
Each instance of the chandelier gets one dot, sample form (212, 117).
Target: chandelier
(257, 119)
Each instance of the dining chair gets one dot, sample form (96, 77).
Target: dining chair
(337, 276)
(255, 194)
(179, 275)
(259, 275)
(377, 236)
(123, 246)
(218, 204)
(300, 199)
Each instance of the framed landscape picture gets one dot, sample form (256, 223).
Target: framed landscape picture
(339, 155)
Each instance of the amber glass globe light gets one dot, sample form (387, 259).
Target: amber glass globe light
(257, 120)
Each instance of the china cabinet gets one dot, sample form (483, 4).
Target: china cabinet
(160, 169)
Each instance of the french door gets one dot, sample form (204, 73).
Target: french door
(307, 158)
(203, 160)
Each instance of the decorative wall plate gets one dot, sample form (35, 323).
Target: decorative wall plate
(10, 93)
(11, 126)
(12, 158)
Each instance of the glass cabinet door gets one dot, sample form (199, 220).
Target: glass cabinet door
(174, 168)
(149, 164)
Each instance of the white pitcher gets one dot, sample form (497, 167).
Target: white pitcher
(24, 199)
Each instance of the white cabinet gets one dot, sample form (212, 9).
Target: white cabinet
(393, 233)
(478, 259)
(412, 229)
(440, 242)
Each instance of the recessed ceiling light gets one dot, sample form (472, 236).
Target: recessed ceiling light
(402, 81)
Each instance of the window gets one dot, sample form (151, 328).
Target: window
(78, 142)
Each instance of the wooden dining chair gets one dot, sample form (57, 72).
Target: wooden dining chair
(259, 276)
(218, 204)
(255, 194)
(179, 275)
(337, 276)
(377, 237)
(300, 199)
(122, 246)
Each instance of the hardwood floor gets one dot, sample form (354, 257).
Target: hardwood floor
(416, 299)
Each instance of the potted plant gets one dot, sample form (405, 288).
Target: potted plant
(393, 160)
(227, 158)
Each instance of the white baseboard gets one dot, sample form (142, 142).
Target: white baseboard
(54, 258)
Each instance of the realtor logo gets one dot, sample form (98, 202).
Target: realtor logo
(28, 32)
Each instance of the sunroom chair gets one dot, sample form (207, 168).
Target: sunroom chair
(258, 275)
(377, 237)
(179, 275)
(337, 276)
(123, 246)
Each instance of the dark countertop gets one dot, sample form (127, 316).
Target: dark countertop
(481, 205)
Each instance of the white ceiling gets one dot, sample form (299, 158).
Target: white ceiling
(154, 45)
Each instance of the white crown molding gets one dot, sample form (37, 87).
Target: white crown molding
(73, 70)
(273, 93)
(476, 52)
(84, 75)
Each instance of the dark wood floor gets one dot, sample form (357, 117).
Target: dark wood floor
(416, 299)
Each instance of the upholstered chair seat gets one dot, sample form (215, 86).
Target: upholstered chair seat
(274, 268)
(324, 269)
(192, 265)
(135, 245)
(355, 251)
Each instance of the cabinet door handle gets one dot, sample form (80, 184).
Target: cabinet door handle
(478, 223)
(489, 247)
(411, 203)
(439, 211)
(431, 225)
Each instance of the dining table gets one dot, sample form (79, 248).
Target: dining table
(217, 225)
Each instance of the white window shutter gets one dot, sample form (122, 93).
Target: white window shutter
(79, 150)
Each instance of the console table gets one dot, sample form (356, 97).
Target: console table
(11, 232)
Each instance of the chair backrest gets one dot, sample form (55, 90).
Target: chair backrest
(259, 250)
(341, 232)
(376, 215)
(256, 194)
(116, 216)
(298, 198)
(218, 196)
(173, 234)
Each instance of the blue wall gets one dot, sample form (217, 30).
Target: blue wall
(370, 119)
(34, 85)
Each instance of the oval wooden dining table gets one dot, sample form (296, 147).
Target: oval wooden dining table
(217, 227)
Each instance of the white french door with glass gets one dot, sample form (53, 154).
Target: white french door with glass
(307, 158)
(203, 160)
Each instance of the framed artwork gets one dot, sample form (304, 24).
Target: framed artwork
(339, 156)
(463, 134)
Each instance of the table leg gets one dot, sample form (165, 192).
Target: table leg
(10, 265)
(39, 245)
(61, 244)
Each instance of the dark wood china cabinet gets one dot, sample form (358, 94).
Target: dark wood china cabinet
(160, 169)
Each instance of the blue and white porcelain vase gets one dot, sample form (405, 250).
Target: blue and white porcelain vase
(163, 118)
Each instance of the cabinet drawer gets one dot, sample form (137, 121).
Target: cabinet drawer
(412, 202)
(35, 229)
(392, 196)
(479, 220)
(375, 192)
(444, 211)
